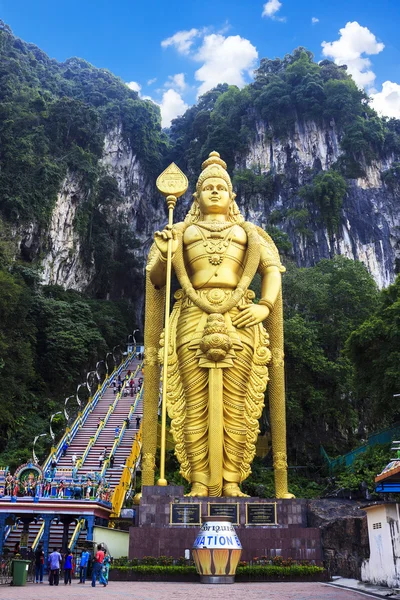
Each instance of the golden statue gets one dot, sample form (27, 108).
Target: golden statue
(222, 347)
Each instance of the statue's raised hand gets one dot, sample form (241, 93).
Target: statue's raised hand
(250, 315)
(161, 239)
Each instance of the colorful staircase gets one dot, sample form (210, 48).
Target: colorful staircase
(87, 440)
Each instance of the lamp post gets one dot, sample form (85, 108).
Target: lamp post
(51, 420)
(66, 415)
(35, 458)
(100, 379)
(91, 380)
(108, 355)
(114, 353)
(132, 343)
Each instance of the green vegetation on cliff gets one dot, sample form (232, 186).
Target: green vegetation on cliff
(53, 117)
(284, 92)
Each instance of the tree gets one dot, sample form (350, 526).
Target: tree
(374, 350)
(322, 306)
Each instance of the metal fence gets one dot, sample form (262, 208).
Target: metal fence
(6, 571)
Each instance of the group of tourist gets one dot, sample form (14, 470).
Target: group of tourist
(100, 566)
(134, 388)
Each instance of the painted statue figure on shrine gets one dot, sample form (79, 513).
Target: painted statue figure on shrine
(223, 348)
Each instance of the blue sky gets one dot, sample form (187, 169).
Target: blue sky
(176, 50)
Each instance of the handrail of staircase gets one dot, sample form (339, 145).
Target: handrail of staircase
(120, 437)
(38, 537)
(82, 416)
(74, 537)
(132, 462)
(103, 422)
(9, 528)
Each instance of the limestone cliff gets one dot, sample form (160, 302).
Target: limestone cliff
(62, 263)
(370, 216)
(369, 221)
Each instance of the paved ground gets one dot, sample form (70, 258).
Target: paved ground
(181, 591)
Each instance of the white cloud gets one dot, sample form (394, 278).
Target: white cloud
(151, 81)
(176, 81)
(133, 85)
(387, 102)
(226, 60)
(181, 40)
(354, 42)
(270, 8)
(172, 105)
(314, 20)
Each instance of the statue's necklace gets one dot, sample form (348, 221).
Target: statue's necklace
(216, 245)
(214, 225)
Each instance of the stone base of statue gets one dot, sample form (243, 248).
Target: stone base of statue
(168, 523)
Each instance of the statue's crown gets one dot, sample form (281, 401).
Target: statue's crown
(213, 166)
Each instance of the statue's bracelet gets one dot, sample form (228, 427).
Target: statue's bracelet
(164, 260)
(266, 303)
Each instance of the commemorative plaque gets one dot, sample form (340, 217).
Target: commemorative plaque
(184, 514)
(260, 513)
(219, 509)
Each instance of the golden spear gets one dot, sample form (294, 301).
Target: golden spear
(172, 183)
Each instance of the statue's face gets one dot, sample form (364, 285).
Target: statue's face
(214, 198)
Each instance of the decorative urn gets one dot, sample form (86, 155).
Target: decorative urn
(217, 550)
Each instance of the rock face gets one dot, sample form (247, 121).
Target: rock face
(370, 214)
(369, 221)
(142, 207)
(344, 535)
(62, 264)
(308, 145)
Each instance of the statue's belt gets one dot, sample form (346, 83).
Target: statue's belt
(215, 296)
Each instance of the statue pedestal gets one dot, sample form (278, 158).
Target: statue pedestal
(159, 534)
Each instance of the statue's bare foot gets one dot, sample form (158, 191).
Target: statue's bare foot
(233, 490)
(287, 496)
(198, 489)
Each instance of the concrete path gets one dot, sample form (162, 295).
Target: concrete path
(181, 591)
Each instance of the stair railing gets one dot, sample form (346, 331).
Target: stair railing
(9, 528)
(38, 537)
(131, 464)
(75, 535)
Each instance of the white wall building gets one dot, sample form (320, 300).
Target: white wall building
(383, 566)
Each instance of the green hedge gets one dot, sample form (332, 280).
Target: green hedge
(254, 571)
